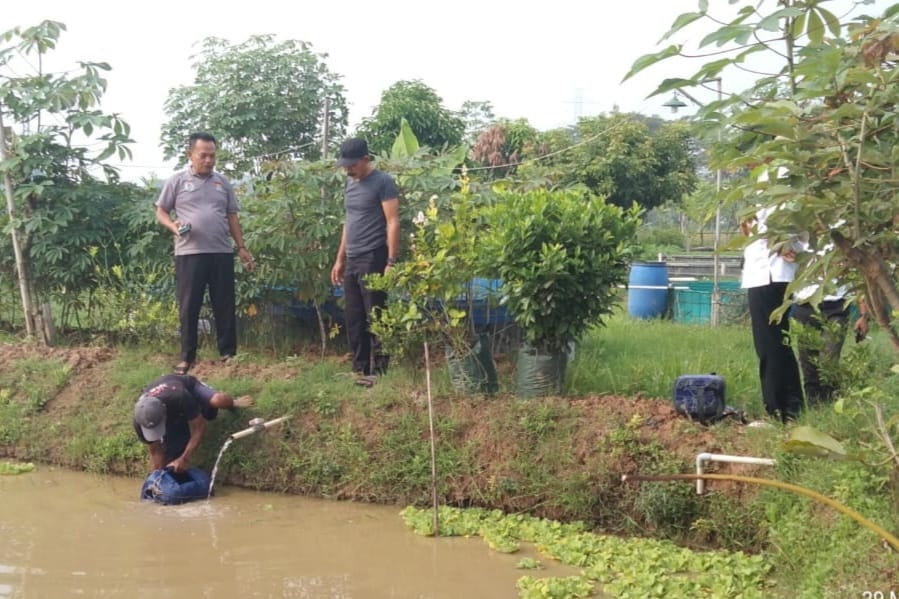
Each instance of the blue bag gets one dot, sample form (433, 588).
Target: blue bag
(168, 488)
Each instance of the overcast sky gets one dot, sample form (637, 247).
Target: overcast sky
(549, 62)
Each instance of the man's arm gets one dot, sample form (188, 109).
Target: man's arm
(197, 427)
(164, 219)
(237, 234)
(157, 455)
(340, 261)
(391, 209)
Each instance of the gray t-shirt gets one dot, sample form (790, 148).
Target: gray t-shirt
(205, 203)
(366, 226)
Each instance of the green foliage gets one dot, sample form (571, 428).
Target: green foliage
(56, 192)
(615, 566)
(133, 299)
(426, 287)
(502, 146)
(477, 116)
(261, 98)
(10, 468)
(434, 125)
(626, 158)
(822, 130)
(560, 256)
(292, 218)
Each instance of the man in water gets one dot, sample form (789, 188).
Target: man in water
(170, 417)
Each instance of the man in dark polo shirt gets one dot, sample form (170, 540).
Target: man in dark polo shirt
(206, 221)
(170, 417)
(369, 244)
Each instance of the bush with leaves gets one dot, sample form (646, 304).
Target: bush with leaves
(560, 256)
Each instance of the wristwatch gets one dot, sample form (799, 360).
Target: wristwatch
(391, 261)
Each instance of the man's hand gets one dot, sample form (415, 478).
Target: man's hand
(337, 272)
(246, 259)
(244, 401)
(178, 465)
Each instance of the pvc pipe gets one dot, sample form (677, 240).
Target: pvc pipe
(257, 427)
(702, 458)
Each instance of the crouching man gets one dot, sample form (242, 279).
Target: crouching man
(170, 417)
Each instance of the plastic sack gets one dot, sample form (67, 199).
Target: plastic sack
(168, 488)
(539, 373)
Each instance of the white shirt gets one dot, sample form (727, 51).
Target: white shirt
(760, 266)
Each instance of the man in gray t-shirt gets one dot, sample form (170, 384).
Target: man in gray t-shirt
(206, 221)
(369, 244)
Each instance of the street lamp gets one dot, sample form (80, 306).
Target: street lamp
(674, 103)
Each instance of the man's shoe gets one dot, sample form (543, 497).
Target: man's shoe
(366, 380)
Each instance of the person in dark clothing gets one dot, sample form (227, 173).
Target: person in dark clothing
(206, 221)
(170, 417)
(766, 274)
(830, 318)
(369, 244)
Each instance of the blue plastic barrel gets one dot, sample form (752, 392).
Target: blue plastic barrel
(647, 290)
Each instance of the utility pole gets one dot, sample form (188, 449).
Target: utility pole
(24, 287)
(674, 104)
(326, 125)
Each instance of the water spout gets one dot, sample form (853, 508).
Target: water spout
(256, 425)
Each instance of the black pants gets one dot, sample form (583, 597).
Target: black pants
(778, 370)
(193, 274)
(814, 360)
(359, 303)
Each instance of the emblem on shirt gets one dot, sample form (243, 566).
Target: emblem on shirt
(189, 186)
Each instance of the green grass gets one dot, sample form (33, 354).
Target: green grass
(644, 357)
(346, 443)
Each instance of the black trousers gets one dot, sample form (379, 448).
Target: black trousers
(814, 359)
(193, 274)
(359, 304)
(778, 369)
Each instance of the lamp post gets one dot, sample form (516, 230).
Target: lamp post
(674, 103)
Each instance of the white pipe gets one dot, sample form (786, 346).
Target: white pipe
(733, 459)
(258, 427)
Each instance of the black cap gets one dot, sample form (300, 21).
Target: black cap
(352, 151)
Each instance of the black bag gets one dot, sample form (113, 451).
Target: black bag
(700, 397)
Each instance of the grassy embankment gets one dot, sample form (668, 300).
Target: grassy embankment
(559, 458)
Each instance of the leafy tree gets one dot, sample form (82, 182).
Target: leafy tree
(477, 116)
(626, 158)
(434, 125)
(58, 188)
(262, 100)
(822, 128)
(503, 145)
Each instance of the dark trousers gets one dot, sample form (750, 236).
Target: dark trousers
(359, 303)
(814, 359)
(778, 370)
(193, 274)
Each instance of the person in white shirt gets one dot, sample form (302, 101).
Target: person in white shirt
(766, 274)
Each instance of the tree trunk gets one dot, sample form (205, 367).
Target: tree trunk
(26, 285)
(881, 290)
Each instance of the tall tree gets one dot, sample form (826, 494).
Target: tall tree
(502, 146)
(262, 99)
(626, 158)
(821, 127)
(432, 123)
(52, 171)
(477, 116)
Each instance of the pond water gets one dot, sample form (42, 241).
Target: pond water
(69, 534)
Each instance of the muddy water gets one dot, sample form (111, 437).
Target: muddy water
(68, 534)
